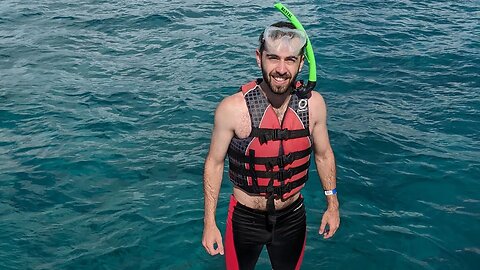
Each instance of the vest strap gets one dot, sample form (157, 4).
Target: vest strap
(269, 162)
(277, 191)
(270, 134)
(278, 175)
(252, 172)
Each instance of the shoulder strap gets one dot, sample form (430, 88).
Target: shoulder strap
(256, 102)
(300, 107)
(248, 86)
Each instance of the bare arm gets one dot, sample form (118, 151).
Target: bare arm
(325, 162)
(223, 132)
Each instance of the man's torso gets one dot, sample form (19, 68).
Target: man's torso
(243, 128)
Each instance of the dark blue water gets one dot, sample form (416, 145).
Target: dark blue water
(106, 110)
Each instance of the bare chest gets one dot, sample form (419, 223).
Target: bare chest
(280, 113)
(244, 126)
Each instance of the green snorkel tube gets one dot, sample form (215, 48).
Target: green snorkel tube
(303, 90)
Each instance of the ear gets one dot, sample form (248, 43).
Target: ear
(258, 55)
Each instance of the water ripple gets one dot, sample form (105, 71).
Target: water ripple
(107, 110)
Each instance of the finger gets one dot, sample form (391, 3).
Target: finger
(334, 230)
(210, 249)
(328, 234)
(206, 249)
(214, 248)
(220, 247)
(331, 232)
(205, 246)
(322, 227)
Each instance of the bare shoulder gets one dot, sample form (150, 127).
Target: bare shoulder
(317, 106)
(317, 100)
(230, 106)
(232, 113)
(230, 110)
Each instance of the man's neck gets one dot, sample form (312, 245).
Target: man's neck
(276, 100)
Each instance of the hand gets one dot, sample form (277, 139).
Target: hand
(331, 217)
(212, 236)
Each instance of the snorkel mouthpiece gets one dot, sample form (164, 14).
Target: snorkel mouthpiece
(303, 90)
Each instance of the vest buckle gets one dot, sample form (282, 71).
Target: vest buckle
(285, 160)
(280, 134)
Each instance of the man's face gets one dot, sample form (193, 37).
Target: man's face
(280, 66)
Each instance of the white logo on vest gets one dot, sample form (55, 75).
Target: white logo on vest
(302, 105)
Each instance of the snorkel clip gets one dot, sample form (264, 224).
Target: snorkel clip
(303, 91)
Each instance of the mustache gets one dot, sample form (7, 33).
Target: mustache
(283, 76)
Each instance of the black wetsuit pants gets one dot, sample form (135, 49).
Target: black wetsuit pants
(248, 230)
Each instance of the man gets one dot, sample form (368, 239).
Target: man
(269, 133)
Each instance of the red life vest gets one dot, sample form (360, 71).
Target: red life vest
(274, 159)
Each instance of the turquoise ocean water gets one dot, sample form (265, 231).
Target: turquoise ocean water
(106, 109)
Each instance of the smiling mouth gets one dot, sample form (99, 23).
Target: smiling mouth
(280, 80)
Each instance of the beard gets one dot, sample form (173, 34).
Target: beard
(279, 89)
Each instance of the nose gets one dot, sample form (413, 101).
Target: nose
(281, 68)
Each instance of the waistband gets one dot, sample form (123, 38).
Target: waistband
(278, 212)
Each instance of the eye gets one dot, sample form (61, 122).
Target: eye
(291, 60)
(272, 58)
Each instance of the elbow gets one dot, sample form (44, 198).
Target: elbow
(214, 163)
(322, 156)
